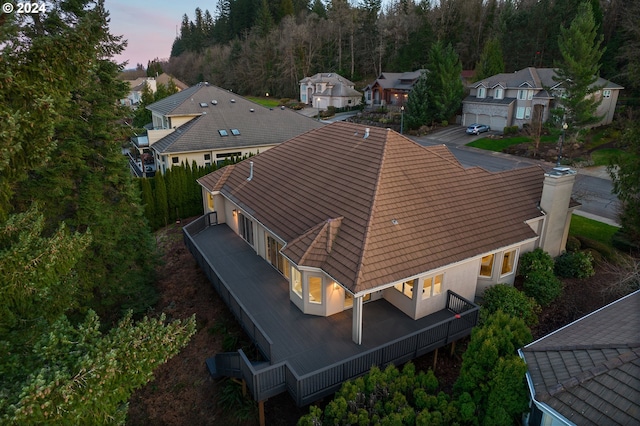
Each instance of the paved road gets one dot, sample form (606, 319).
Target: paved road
(592, 188)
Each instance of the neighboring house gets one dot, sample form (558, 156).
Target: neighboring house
(391, 88)
(515, 99)
(346, 247)
(207, 124)
(137, 87)
(328, 89)
(588, 372)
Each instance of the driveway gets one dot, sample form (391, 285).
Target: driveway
(451, 135)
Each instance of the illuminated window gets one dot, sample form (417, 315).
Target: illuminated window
(486, 266)
(296, 282)
(315, 290)
(210, 201)
(406, 288)
(508, 260)
(432, 286)
(348, 299)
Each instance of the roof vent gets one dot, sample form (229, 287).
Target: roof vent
(250, 171)
(366, 133)
(233, 101)
(252, 110)
(394, 221)
(214, 102)
(204, 104)
(282, 107)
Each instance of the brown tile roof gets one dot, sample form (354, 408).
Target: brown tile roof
(399, 208)
(589, 371)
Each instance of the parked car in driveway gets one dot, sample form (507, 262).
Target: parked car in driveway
(476, 129)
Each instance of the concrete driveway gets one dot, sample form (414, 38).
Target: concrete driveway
(452, 135)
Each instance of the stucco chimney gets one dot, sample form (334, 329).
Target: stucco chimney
(555, 200)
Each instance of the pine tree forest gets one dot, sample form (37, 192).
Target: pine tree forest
(76, 251)
(255, 46)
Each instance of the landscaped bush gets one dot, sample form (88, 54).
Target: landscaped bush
(622, 242)
(511, 301)
(542, 286)
(535, 261)
(573, 244)
(606, 251)
(510, 130)
(574, 265)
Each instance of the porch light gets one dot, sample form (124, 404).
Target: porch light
(336, 286)
(235, 212)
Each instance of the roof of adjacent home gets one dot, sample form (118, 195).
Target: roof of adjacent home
(214, 109)
(371, 207)
(536, 78)
(589, 370)
(397, 80)
(327, 77)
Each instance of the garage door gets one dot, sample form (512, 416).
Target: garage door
(484, 119)
(498, 123)
(469, 118)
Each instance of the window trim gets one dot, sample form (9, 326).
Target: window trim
(406, 287)
(295, 273)
(490, 266)
(520, 113)
(513, 262)
(498, 93)
(432, 286)
(482, 92)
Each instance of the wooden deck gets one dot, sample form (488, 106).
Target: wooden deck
(298, 345)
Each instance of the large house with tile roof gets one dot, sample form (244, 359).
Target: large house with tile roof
(323, 90)
(136, 87)
(350, 215)
(525, 96)
(206, 125)
(588, 372)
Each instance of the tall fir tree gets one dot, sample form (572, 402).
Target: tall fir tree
(491, 60)
(444, 85)
(416, 114)
(578, 71)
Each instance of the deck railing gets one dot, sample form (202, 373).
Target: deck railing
(266, 381)
(243, 316)
(274, 379)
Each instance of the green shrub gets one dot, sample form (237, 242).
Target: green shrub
(445, 123)
(606, 251)
(535, 261)
(573, 244)
(511, 301)
(623, 242)
(595, 255)
(542, 286)
(510, 130)
(574, 265)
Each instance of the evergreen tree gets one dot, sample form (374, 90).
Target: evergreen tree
(578, 71)
(264, 20)
(491, 61)
(626, 184)
(319, 9)
(492, 372)
(444, 86)
(416, 114)
(142, 115)
(162, 206)
(148, 201)
(154, 68)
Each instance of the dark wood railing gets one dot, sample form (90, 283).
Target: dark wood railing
(243, 316)
(267, 380)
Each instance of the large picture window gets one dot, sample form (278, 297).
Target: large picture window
(432, 286)
(486, 266)
(315, 290)
(296, 282)
(406, 288)
(508, 261)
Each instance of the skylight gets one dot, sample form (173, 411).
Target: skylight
(204, 105)
(223, 132)
(235, 132)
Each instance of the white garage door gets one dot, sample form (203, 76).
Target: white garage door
(484, 119)
(469, 118)
(498, 123)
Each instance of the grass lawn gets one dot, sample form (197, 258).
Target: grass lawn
(266, 102)
(498, 145)
(605, 156)
(591, 229)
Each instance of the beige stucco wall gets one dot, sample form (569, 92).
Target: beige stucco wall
(166, 160)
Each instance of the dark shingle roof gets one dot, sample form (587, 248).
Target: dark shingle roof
(257, 125)
(589, 371)
(375, 210)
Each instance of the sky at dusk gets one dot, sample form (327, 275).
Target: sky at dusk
(150, 25)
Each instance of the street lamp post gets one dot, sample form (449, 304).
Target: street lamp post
(401, 119)
(564, 128)
(318, 105)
